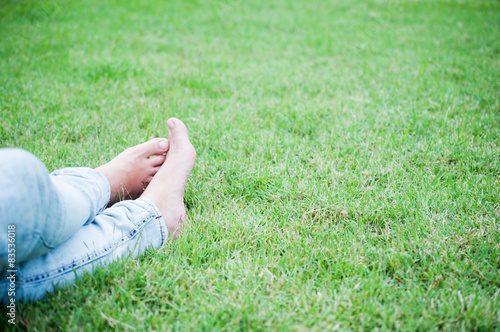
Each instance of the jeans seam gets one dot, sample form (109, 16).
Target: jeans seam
(161, 231)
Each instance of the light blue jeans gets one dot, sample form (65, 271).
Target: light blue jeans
(61, 226)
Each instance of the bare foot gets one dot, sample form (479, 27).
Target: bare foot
(130, 172)
(166, 190)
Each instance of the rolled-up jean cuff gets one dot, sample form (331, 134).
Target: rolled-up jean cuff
(90, 180)
(151, 207)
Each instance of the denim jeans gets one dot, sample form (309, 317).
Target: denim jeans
(61, 226)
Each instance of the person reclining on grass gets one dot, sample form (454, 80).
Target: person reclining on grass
(60, 222)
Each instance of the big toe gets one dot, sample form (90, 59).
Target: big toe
(178, 133)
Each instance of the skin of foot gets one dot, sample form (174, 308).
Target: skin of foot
(131, 171)
(166, 190)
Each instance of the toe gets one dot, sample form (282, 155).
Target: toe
(155, 146)
(157, 160)
(178, 133)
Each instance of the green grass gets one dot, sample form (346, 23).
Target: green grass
(348, 172)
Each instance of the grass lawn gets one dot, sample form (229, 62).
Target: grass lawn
(348, 172)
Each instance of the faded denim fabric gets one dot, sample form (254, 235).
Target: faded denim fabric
(62, 225)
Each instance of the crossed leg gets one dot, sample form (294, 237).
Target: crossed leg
(127, 227)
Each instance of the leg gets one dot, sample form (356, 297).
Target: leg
(47, 209)
(128, 227)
